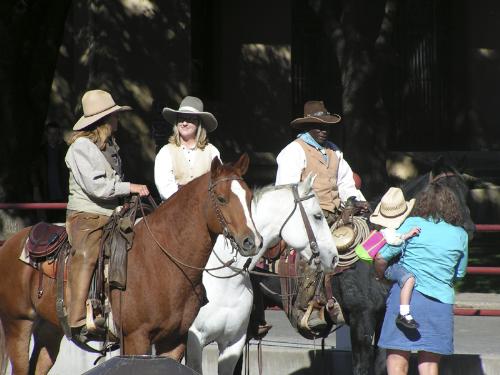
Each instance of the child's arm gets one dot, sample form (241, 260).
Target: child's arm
(380, 266)
(415, 231)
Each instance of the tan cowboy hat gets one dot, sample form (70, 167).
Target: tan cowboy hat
(97, 104)
(392, 209)
(315, 113)
(191, 105)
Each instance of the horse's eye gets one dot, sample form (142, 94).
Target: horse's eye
(318, 216)
(221, 199)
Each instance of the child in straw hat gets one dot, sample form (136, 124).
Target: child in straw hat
(389, 214)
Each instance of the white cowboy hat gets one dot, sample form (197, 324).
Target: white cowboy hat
(392, 209)
(97, 104)
(191, 105)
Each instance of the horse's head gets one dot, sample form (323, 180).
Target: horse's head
(230, 213)
(278, 213)
(444, 174)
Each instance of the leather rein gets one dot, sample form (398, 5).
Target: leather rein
(220, 218)
(310, 234)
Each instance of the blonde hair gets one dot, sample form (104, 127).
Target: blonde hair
(99, 134)
(201, 137)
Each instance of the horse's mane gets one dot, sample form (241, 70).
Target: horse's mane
(258, 192)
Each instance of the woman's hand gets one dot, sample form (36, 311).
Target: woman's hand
(142, 190)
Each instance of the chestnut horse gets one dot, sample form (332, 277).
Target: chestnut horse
(164, 276)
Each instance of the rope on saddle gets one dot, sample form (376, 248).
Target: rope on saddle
(349, 257)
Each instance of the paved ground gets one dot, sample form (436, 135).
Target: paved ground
(477, 345)
(477, 348)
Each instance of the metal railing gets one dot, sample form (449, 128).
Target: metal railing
(472, 270)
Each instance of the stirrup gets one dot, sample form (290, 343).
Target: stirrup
(94, 325)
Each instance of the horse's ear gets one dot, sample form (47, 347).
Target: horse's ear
(215, 168)
(305, 186)
(437, 166)
(241, 165)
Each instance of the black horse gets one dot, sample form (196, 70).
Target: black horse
(361, 296)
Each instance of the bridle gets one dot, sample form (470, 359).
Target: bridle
(220, 217)
(310, 234)
(432, 179)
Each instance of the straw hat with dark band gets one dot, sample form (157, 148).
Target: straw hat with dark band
(191, 105)
(97, 104)
(392, 209)
(315, 113)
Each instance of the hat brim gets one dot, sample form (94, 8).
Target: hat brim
(300, 123)
(208, 120)
(391, 222)
(85, 122)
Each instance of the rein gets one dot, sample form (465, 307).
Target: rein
(221, 219)
(310, 234)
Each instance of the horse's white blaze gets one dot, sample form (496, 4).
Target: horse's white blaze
(238, 190)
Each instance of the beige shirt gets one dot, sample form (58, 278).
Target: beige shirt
(326, 171)
(176, 166)
(94, 186)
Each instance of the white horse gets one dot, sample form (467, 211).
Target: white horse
(276, 211)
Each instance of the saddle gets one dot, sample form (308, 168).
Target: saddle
(44, 240)
(303, 290)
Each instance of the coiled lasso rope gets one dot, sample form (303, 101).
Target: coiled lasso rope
(361, 230)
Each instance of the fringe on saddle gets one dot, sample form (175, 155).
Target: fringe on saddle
(306, 290)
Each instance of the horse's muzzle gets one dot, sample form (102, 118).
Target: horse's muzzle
(248, 247)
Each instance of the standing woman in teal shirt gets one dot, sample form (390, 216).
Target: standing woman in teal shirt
(437, 257)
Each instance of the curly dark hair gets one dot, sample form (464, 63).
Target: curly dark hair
(439, 202)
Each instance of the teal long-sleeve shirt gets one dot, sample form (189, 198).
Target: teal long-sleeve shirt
(437, 256)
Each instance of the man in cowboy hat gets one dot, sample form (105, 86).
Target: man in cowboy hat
(95, 186)
(312, 152)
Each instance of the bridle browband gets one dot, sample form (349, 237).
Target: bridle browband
(440, 176)
(310, 234)
(220, 217)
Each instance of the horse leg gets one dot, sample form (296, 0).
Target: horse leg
(17, 335)
(229, 356)
(173, 350)
(362, 329)
(136, 343)
(47, 340)
(194, 353)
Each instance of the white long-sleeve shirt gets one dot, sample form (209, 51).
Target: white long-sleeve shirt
(164, 172)
(292, 161)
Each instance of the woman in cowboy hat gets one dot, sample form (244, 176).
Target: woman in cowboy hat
(95, 184)
(437, 257)
(312, 152)
(188, 154)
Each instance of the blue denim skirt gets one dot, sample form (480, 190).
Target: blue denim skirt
(435, 319)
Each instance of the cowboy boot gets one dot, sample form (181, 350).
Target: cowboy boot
(80, 277)
(335, 311)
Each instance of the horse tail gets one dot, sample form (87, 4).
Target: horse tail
(3, 352)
